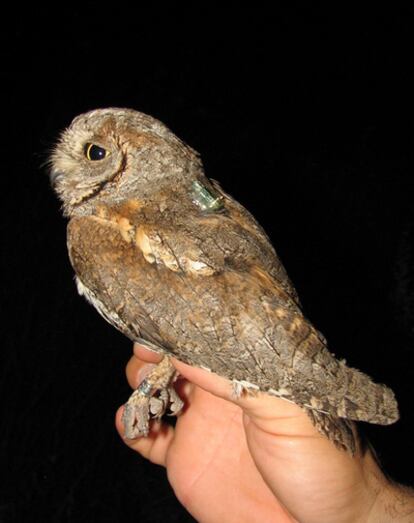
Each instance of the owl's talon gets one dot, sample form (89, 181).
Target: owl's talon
(151, 399)
(176, 403)
(158, 406)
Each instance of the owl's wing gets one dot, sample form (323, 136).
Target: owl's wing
(190, 289)
(227, 315)
(269, 260)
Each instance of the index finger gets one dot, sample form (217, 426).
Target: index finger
(144, 354)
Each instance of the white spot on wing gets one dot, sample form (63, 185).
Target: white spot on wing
(111, 317)
(239, 387)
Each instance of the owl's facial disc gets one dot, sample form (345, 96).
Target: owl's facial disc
(91, 151)
(83, 163)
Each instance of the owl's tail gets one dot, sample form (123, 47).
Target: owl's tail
(351, 395)
(361, 400)
(335, 389)
(364, 400)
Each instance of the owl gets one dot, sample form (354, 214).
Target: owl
(176, 264)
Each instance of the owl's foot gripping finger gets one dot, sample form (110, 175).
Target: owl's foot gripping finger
(152, 398)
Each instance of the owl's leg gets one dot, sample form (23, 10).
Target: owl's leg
(151, 399)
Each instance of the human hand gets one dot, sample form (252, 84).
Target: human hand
(246, 459)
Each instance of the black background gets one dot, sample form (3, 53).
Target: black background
(305, 116)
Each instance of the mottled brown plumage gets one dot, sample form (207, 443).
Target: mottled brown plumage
(175, 263)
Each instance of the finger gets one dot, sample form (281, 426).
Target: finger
(137, 370)
(143, 353)
(205, 379)
(155, 446)
(260, 407)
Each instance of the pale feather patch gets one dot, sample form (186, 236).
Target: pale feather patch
(198, 267)
(296, 323)
(154, 249)
(133, 205)
(111, 316)
(280, 393)
(82, 291)
(239, 388)
(143, 243)
(126, 229)
(166, 256)
(280, 313)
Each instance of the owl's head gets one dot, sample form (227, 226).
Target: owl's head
(107, 155)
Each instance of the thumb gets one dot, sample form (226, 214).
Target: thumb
(261, 409)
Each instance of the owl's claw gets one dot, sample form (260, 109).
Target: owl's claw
(151, 399)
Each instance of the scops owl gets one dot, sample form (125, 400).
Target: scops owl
(175, 263)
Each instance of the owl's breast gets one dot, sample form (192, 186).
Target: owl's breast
(110, 315)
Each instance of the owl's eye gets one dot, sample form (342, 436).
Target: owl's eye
(94, 152)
